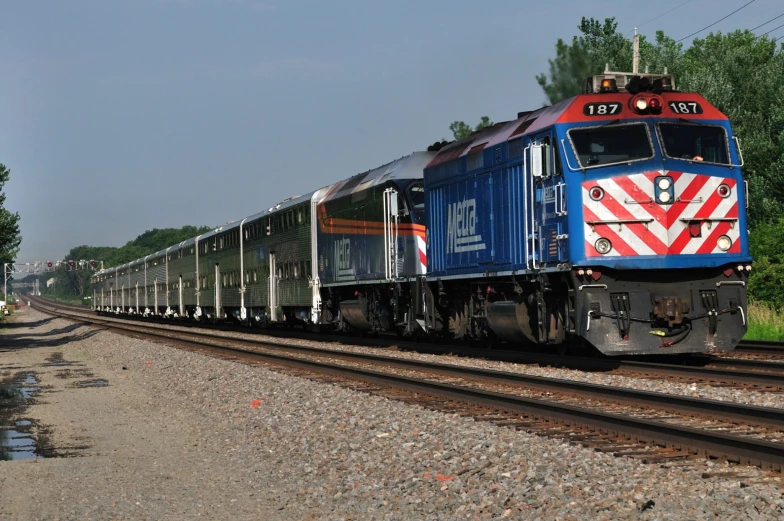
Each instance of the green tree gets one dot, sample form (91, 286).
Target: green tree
(743, 76)
(571, 65)
(766, 245)
(10, 239)
(599, 47)
(70, 284)
(461, 129)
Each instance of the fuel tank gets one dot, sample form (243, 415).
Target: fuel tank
(355, 313)
(512, 322)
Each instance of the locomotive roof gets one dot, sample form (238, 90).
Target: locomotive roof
(526, 123)
(407, 167)
(566, 111)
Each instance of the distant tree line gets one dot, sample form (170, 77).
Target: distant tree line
(75, 285)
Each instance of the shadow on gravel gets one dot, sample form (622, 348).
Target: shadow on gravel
(28, 325)
(10, 341)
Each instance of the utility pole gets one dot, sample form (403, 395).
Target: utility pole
(636, 53)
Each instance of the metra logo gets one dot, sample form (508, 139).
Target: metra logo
(461, 228)
(342, 253)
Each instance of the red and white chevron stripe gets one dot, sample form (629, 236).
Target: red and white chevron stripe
(421, 254)
(629, 217)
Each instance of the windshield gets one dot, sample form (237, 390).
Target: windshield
(416, 194)
(694, 142)
(611, 144)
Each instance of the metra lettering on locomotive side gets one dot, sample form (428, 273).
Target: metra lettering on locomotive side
(461, 228)
(342, 253)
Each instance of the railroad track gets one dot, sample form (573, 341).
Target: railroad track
(710, 370)
(760, 349)
(652, 426)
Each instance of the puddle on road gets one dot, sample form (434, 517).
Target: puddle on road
(28, 389)
(56, 360)
(92, 383)
(68, 374)
(25, 438)
(16, 439)
(18, 444)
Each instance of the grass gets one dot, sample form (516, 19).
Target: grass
(765, 323)
(66, 300)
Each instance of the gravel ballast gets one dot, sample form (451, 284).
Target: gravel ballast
(177, 435)
(695, 390)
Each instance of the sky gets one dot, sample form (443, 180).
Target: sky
(120, 116)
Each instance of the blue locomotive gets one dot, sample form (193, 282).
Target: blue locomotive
(615, 218)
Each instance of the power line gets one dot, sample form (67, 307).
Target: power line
(717, 21)
(766, 23)
(665, 13)
(763, 34)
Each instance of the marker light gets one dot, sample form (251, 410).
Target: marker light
(655, 104)
(724, 243)
(664, 183)
(603, 246)
(596, 193)
(724, 191)
(608, 85)
(664, 197)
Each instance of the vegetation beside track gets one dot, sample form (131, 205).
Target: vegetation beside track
(765, 323)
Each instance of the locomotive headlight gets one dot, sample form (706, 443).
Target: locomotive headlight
(724, 243)
(641, 104)
(664, 189)
(603, 246)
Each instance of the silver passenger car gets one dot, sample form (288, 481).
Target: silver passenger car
(258, 270)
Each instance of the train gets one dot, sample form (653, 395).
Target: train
(613, 220)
